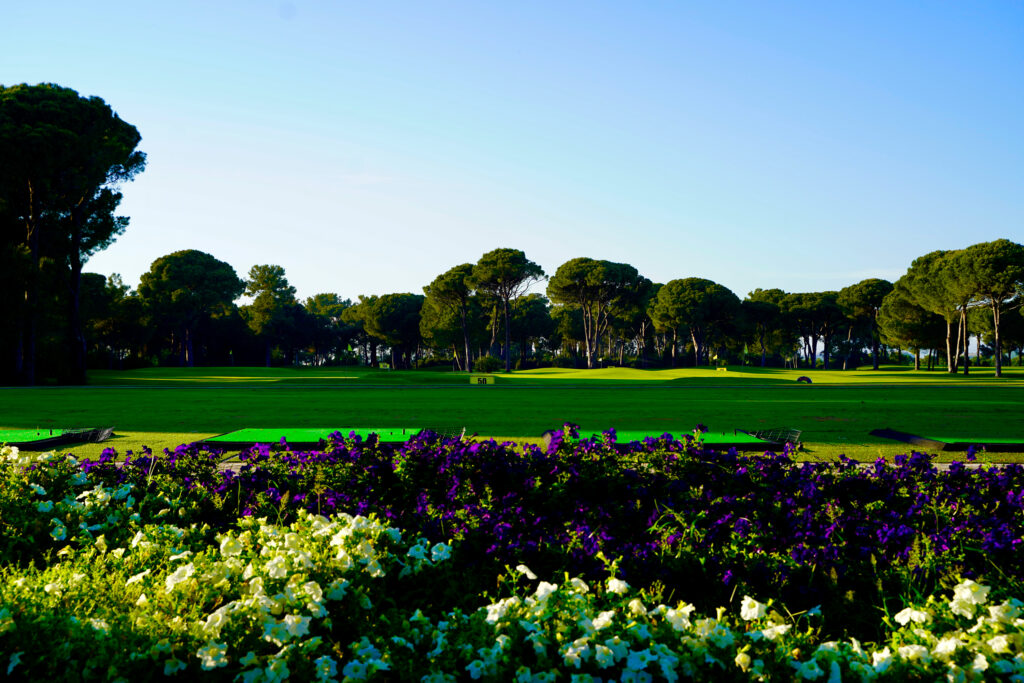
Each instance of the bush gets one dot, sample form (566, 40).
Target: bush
(564, 362)
(488, 364)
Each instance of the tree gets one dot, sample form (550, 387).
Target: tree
(330, 334)
(901, 321)
(450, 292)
(816, 316)
(594, 287)
(997, 274)
(184, 289)
(861, 303)
(395, 320)
(929, 282)
(531, 316)
(269, 316)
(505, 274)
(762, 311)
(701, 306)
(63, 158)
(356, 316)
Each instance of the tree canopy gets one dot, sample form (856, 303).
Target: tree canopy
(505, 274)
(63, 158)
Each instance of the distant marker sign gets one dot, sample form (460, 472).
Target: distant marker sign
(481, 379)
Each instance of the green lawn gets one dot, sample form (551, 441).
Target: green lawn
(163, 407)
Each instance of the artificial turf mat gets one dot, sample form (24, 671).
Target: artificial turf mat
(310, 435)
(25, 435)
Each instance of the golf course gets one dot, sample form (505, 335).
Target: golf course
(835, 412)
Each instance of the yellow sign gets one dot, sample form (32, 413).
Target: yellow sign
(481, 379)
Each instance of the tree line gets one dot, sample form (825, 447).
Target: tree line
(64, 159)
(593, 313)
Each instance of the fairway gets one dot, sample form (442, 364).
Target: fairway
(835, 412)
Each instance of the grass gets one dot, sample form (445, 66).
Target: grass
(163, 407)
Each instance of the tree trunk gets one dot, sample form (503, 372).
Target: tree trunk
(917, 359)
(967, 355)
(465, 337)
(996, 343)
(953, 363)
(764, 351)
(508, 337)
(874, 341)
(266, 352)
(77, 351)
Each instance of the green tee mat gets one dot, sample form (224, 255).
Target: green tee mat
(947, 443)
(45, 439)
(307, 436)
(737, 438)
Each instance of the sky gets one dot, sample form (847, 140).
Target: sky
(367, 147)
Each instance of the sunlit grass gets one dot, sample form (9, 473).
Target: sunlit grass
(835, 412)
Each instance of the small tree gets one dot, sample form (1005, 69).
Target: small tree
(269, 315)
(594, 287)
(997, 272)
(505, 274)
(185, 289)
(861, 302)
(450, 292)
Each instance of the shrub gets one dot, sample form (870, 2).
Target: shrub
(488, 364)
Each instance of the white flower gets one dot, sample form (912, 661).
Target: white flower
(909, 614)
(604, 656)
(181, 574)
(44, 506)
(355, 670)
(544, 590)
(881, 660)
(440, 552)
(946, 647)
(1006, 612)
(215, 622)
(999, 644)
(277, 568)
(604, 620)
(636, 608)
(912, 653)
(277, 670)
(313, 590)
(213, 656)
(980, 663)
(230, 547)
(137, 578)
(173, 666)
(59, 532)
(326, 668)
(523, 569)
(808, 670)
(14, 661)
(743, 661)
(971, 592)
(100, 625)
(617, 586)
(680, 617)
(296, 625)
(773, 632)
(751, 609)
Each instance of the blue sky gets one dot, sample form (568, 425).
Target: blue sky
(367, 147)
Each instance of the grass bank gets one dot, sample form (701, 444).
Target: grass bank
(163, 407)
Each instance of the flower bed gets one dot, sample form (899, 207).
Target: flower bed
(443, 559)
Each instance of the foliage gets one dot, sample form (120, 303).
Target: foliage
(166, 564)
(64, 157)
